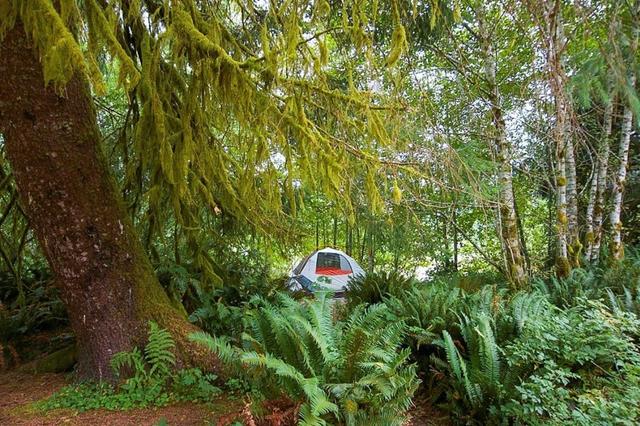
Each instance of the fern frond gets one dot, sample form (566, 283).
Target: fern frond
(159, 351)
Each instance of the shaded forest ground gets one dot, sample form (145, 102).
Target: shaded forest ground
(19, 391)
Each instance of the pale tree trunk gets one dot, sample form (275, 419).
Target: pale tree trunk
(617, 248)
(595, 207)
(105, 279)
(553, 42)
(508, 220)
(557, 44)
(593, 189)
(574, 245)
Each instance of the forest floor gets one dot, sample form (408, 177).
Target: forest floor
(19, 390)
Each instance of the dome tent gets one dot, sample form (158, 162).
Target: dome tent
(326, 269)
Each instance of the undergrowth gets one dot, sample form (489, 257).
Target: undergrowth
(339, 372)
(153, 381)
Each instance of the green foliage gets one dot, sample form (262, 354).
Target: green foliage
(614, 283)
(152, 382)
(29, 305)
(494, 356)
(581, 367)
(217, 317)
(563, 292)
(373, 287)
(342, 372)
(561, 366)
(221, 311)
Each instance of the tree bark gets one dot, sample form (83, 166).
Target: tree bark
(456, 243)
(617, 248)
(104, 276)
(574, 244)
(552, 35)
(508, 219)
(595, 208)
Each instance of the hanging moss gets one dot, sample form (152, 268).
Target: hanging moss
(398, 38)
(213, 102)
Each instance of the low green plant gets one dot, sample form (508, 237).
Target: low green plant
(373, 287)
(153, 381)
(340, 372)
(564, 292)
(580, 367)
(217, 317)
(30, 306)
(533, 362)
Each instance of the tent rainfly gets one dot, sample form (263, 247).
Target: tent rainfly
(326, 269)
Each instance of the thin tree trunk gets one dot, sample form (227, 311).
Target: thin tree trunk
(372, 255)
(574, 244)
(104, 276)
(454, 218)
(324, 232)
(593, 189)
(523, 240)
(335, 232)
(445, 236)
(617, 248)
(317, 232)
(595, 208)
(501, 147)
(553, 42)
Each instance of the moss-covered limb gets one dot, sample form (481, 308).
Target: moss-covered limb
(187, 63)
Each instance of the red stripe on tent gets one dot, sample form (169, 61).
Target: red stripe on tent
(332, 271)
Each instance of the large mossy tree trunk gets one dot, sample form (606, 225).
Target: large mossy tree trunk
(105, 279)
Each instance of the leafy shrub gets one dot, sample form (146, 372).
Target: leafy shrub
(434, 307)
(557, 365)
(556, 354)
(469, 281)
(628, 301)
(30, 306)
(352, 371)
(564, 292)
(581, 368)
(153, 381)
(616, 283)
(477, 376)
(220, 311)
(217, 317)
(371, 288)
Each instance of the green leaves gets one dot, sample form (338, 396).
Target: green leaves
(352, 369)
(153, 381)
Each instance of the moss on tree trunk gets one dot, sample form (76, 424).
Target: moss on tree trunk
(105, 278)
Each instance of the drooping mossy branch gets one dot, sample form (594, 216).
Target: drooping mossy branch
(233, 105)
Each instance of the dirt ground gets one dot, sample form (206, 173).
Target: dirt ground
(19, 390)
